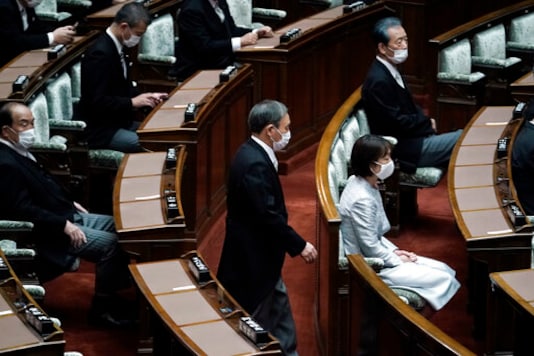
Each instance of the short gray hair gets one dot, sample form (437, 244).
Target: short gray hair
(264, 113)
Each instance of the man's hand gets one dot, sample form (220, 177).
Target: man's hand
(64, 35)
(309, 254)
(77, 236)
(264, 31)
(249, 39)
(148, 99)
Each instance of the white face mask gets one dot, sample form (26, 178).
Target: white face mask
(33, 3)
(399, 55)
(386, 170)
(132, 41)
(280, 145)
(26, 138)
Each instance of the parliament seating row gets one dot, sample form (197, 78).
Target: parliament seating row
(477, 61)
(332, 166)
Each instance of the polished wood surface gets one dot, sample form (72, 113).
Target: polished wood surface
(18, 336)
(139, 206)
(202, 317)
(212, 138)
(101, 19)
(482, 197)
(399, 328)
(514, 289)
(523, 88)
(314, 72)
(39, 69)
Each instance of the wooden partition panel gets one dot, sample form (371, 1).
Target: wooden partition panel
(314, 72)
(212, 138)
(332, 284)
(382, 324)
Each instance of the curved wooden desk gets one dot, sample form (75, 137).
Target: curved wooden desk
(483, 201)
(142, 218)
(18, 336)
(193, 318)
(212, 138)
(39, 69)
(314, 72)
(515, 288)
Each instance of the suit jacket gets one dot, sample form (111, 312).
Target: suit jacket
(12, 36)
(391, 111)
(205, 42)
(523, 166)
(106, 103)
(30, 193)
(257, 233)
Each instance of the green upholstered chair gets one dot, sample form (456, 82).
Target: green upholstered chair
(158, 43)
(521, 34)
(246, 15)
(47, 11)
(43, 141)
(455, 64)
(489, 48)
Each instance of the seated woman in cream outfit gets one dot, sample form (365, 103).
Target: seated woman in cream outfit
(364, 222)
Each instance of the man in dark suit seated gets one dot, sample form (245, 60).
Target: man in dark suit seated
(63, 230)
(257, 234)
(209, 37)
(109, 99)
(391, 109)
(523, 161)
(21, 30)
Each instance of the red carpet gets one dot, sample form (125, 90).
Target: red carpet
(433, 234)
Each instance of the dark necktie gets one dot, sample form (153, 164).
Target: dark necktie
(24, 17)
(124, 64)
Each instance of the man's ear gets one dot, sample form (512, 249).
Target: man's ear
(382, 48)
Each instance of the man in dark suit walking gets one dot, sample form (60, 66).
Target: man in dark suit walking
(21, 30)
(109, 99)
(209, 37)
(63, 230)
(390, 107)
(257, 233)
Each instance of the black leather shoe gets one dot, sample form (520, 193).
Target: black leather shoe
(106, 319)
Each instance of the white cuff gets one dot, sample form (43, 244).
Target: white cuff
(50, 38)
(236, 43)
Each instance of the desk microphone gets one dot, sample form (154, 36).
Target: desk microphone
(354, 6)
(20, 83)
(56, 51)
(228, 73)
(290, 35)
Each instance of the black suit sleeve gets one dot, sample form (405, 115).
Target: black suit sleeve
(98, 75)
(269, 213)
(386, 106)
(14, 40)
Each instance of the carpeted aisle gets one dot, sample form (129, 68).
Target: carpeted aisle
(432, 233)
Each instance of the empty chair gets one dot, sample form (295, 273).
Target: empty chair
(158, 43)
(455, 64)
(47, 10)
(489, 48)
(43, 141)
(245, 15)
(521, 33)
